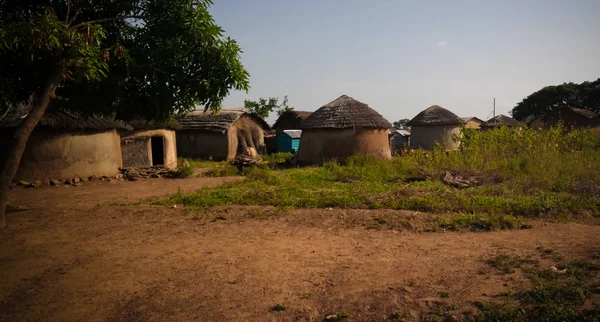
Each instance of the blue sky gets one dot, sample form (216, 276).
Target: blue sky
(401, 57)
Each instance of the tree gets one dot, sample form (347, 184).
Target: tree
(264, 106)
(400, 124)
(123, 58)
(585, 95)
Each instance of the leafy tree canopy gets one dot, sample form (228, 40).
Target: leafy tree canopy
(129, 58)
(585, 95)
(400, 124)
(264, 106)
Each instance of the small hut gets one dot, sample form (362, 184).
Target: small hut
(472, 122)
(435, 124)
(290, 120)
(570, 117)
(343, 128)
(64, 145)
(288, 141)
(150, 144)
(401, 138)
(221, 135)
(500, 120)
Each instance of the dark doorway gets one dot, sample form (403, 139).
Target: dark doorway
(158, 150)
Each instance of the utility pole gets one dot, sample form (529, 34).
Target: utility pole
(494, 107)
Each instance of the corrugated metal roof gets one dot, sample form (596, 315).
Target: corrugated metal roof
(294, 134)
(403, 132)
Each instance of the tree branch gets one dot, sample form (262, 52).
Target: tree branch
(99, 21)
(68, 10)
(5, 113)
(73, 19)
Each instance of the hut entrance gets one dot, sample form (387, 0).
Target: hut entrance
(158, 150)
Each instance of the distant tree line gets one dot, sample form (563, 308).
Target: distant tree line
(585, 95)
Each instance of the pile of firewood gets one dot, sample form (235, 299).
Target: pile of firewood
(133, 174)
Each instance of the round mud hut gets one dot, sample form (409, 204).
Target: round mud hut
(499, 121)
(150, 144)
(64, 146)
(343, 128)
(435, 124)
(222, 135)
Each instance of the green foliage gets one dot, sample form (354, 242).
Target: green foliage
(279, 157)
(400, 124)
(129, 59)
(184, 171)
(585, 95)
(478, 222)
(263, 107)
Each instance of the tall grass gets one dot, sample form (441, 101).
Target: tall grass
(526, 173)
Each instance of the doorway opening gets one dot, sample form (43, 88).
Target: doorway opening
(158, 150)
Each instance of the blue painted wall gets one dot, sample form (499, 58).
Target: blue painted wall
(285, 143)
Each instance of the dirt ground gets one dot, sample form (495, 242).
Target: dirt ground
(79, 254)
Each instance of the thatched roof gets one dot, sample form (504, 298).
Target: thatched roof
(216, 122)
(471, 118)
(61, 120)
(154, 125)
(501, 120)
(345, 113)
(435, 115)
(300, 115)
(583, 112)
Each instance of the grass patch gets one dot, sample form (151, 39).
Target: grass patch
(507, 263)
(478, 222)
(524, 174)
(554, 296)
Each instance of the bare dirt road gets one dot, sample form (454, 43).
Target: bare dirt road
(72, 254)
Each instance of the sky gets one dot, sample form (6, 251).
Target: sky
(401, 57)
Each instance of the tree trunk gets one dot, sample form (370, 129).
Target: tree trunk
(21, 135)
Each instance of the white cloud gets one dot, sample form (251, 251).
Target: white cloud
(442, 43)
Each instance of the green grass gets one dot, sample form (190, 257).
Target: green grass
(507, 263)
(552, 297)
(520, 174)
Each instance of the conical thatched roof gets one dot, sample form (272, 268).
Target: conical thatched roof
(215, 122)
(61, 119)
(299, 115)
(154, 125)
(501, 120)
(345, 113)
(435, 115)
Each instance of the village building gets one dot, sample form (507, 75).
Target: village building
(150, 144)
(343, 128)
(570, 117)
(500, 120)
(435, 124)
(290, 120)
(64, 146)
(472, 122)
(220, 135)
(289, 141)
(400, 138)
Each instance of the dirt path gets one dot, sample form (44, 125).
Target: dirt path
(99, 192)
(81, 261)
